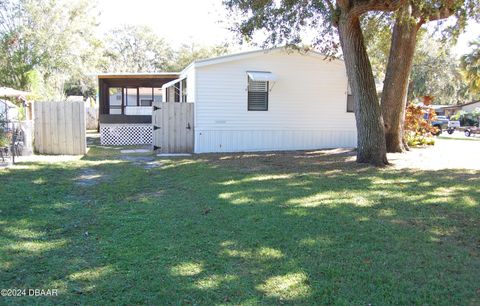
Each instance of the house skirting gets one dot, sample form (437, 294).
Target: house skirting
(124, 134)
(207, 141)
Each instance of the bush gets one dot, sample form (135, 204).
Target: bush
(418, 130)
(466, 118)
(4, 138)
(458, 115)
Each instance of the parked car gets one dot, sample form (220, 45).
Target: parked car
(441, 122)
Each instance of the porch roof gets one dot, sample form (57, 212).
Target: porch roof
(137, 75)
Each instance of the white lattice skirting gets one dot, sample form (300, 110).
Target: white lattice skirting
(126, 134)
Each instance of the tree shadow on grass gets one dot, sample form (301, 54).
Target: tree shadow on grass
(293, 228)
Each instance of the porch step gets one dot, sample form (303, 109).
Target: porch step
(135, 151)
(173, 154)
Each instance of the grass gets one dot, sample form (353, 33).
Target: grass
(292, 228)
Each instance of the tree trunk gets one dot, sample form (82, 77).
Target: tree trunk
(370, 133)
(395, 86)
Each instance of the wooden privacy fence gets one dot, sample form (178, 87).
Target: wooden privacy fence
(60, 128)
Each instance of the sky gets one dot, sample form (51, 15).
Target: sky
(178, 21)
(200, 21)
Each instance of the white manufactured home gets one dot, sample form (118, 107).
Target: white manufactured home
(254, 101)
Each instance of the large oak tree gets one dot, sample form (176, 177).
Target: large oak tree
(408, 20)
(283, 22)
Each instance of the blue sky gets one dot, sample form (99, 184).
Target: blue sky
(200, 21)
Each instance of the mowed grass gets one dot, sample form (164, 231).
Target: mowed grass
(245, 229)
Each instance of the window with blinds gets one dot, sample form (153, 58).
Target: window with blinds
(257, 95)
(350, 104)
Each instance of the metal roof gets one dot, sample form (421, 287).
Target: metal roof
(246, 54)
(10, 92)
(136, 74)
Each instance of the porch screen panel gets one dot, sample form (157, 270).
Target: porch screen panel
(157, 94)
(115, 100)
(145, 96)
(131, 96)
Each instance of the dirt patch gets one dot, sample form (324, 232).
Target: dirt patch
(144, 197)
(144, 161)
(445, 154)
(88, 177)
(305, 161)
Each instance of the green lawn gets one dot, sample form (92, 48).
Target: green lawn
(293, 228)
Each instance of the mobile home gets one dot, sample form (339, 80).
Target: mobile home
(254, 101)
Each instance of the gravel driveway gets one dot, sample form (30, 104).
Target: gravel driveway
(445, 154)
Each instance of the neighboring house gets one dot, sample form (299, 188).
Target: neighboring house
(450, 110)
(252, 101)
(8, 111)
(469, 107)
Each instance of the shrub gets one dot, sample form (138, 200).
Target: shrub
(4, 138)
(466, 118)
(418, 130)
(458, 115)
(476, 112)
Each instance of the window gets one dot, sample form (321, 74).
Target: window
(177, 92)
(131, 96)
(157, 95)
(176, 87)
(146, 96)
(350, 100)
(184, 90)
(172, 94)
(257, 95)
(350, 104)
(115, 100)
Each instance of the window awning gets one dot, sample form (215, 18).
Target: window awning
(261, 76)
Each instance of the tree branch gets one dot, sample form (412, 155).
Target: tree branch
(330, 4)
(362, 6)
(446, 10)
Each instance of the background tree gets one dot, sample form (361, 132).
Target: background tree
(187, 53)
(470, 64)
(132, 48)
(436, 72)
(45, 42)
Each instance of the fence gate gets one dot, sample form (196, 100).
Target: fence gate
(173, 127)
(60, 128)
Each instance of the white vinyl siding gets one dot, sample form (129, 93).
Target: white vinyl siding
(306, 105)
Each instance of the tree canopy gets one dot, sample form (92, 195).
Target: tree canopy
(45, 42)
(54, 48)
(436, 72)
(470, 64)
(135, 49)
